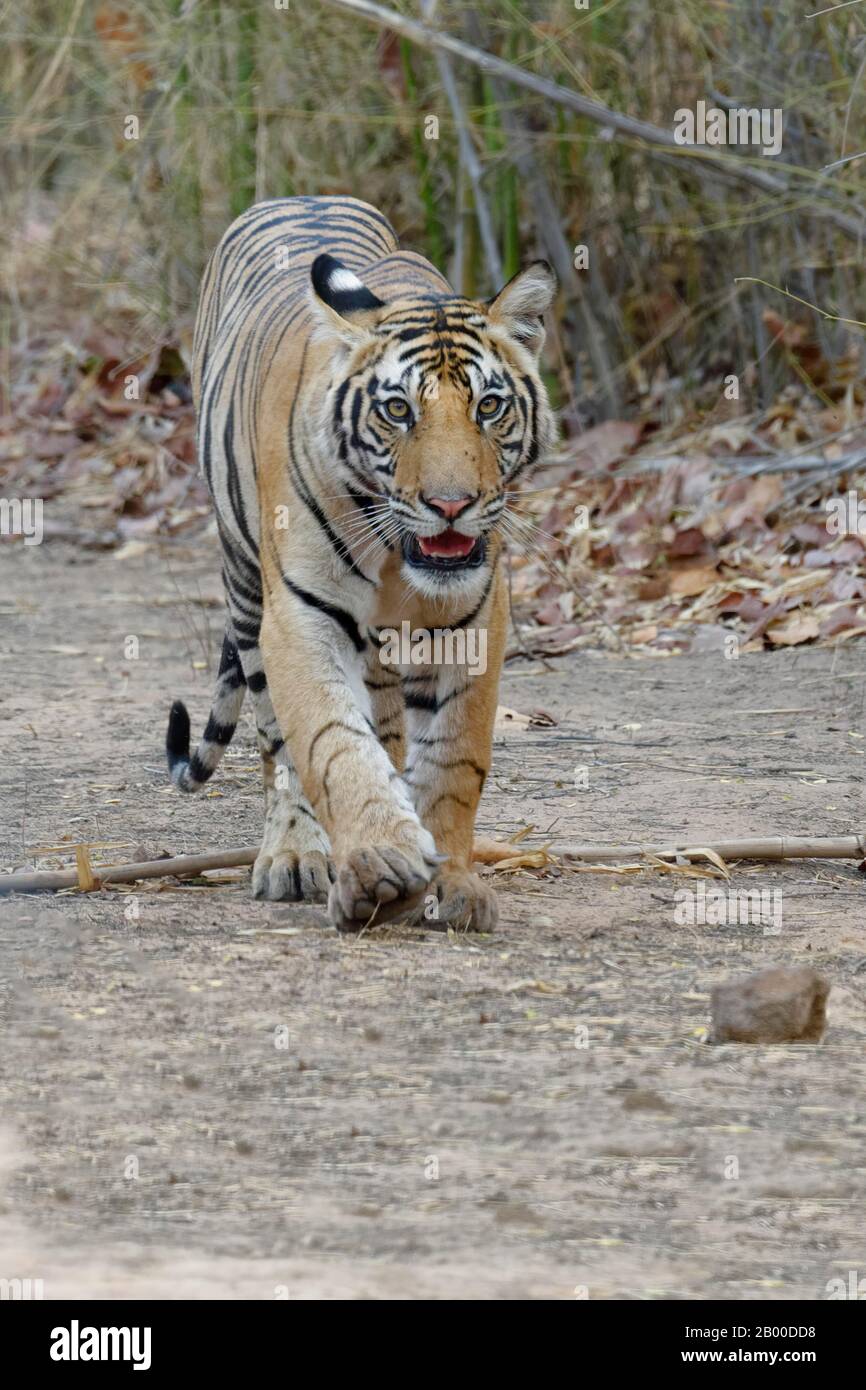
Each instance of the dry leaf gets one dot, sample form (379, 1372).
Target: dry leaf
(87, 880)
(687, 583)
(800, 627)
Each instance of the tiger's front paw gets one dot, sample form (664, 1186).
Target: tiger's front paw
(378, 884)
(463, 901)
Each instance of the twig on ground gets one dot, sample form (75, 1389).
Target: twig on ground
(185, 864)
(486, 851)
(772, 847)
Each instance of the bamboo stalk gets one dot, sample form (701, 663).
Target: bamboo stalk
(771, 847)
(774, 847)
(471, 163)
(242, 153)
(711, 159)
(547, 217)
(50, 880)
(432, 221)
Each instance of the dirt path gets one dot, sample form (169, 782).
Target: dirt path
(413, 1115)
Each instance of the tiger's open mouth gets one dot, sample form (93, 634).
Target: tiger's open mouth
(450, 550)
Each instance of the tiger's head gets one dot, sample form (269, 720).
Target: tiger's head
(435, 408)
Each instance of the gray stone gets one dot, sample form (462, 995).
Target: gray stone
(785, 1004)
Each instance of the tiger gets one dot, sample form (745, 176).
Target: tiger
(361, 429)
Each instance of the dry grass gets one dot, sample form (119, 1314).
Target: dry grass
(105, 239)
(242, 100)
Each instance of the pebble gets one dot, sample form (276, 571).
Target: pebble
(785, 1004)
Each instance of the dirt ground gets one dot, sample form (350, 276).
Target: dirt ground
(206, 1096)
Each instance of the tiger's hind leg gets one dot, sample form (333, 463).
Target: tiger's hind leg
(387, 708)
(293, 863)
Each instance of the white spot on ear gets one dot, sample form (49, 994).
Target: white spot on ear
(343, 279)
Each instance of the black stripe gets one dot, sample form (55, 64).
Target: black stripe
(463, 622)
(339, 615)
(218, 733)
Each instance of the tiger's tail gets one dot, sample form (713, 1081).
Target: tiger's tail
(191, 773)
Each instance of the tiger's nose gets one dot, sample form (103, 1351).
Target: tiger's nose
(451, 506)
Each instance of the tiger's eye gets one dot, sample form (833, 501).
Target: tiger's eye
(397, 408)
(489, 406)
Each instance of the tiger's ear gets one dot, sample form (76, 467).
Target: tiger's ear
(341, 301)
(520, 305)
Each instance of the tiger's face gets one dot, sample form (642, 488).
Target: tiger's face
(435, 409)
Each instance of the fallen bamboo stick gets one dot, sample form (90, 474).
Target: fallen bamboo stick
(771, 847)
(184, 864)
(774, 847)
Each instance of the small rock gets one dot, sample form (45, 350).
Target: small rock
(786, 1004)
(496, 1098)
(516, 1213)
(644, 1100)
